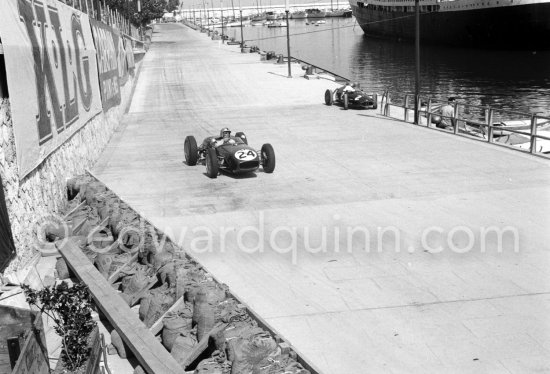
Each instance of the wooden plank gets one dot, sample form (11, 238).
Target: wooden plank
(68, 215)
(142, 292)
(130, 261)
(203, 344)
(33, 358)
(152, 356)
(157, 326)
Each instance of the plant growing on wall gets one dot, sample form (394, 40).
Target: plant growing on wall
(70, 308)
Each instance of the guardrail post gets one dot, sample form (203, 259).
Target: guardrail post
(454, 120)
(387, 105)
(429, 113)
(406, 108)
(533, 147)
(490, 126)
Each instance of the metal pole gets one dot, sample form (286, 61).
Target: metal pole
(417, 60)
(221, 9)
(288, 42)
(242, 40)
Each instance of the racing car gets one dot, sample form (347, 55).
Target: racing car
(229, 153)
(357, 99)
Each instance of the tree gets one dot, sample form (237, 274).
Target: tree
(150, 9)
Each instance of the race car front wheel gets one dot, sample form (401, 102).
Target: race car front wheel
(268, 158)
(328, 97)
(190, 150)
(212, 164)
(346, 101)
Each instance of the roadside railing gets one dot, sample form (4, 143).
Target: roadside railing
(314, 69)
(527, 132)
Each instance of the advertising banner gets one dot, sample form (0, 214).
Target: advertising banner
(107, 42)
(129, 53)
(51, 72)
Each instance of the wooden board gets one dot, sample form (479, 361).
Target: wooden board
(18, 322)
(157, 326)
(33, 358)
(152, 356)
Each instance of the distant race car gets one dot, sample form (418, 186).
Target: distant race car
(357, 99)
(229, 153)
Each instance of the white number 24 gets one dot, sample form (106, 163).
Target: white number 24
(245, 154)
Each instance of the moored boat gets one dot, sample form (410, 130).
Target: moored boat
(315, 13)
(277, 24)
(504, 24)
(299, 14)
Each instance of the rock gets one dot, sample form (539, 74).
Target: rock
(122, 349)
(62, 269)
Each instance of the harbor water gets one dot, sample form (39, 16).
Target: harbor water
(512, 80)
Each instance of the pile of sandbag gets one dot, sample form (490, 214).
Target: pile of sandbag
(197, 320)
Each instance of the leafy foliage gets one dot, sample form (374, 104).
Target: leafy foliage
(70, 309)
(150, 9)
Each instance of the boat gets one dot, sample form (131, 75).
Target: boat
(316, 13)
(497, 24)
(271, 16)
(277, 24)
(258, 18)
(335, 13)
(299, 14)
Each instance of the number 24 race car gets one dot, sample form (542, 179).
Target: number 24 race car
(228, 153)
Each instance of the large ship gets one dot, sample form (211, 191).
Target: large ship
(502, 24)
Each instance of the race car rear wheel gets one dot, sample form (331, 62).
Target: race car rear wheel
(242, 136)
(268, 158)
(328, 97)
(375, 99)
(346, 101)
(212, 164)
(190, 150)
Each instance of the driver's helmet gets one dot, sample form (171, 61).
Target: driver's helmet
(225, 133)
(355, 85)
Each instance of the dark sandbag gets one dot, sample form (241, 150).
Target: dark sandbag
(254, 356)
(167, 274)
(161, 259)
(231, 311)
(173, 326)
(134, 283)
(144, 306)
(159, 303)
(209, 366)
(103, 262)
(93, 189)
(182, 347)
(203, 314)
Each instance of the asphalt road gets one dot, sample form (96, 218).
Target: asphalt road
(373, 245)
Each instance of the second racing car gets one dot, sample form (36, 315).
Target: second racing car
(351, 96)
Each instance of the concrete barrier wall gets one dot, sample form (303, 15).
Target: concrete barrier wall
(42, 193)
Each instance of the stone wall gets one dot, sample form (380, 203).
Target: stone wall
(42, 193)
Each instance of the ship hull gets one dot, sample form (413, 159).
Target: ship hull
(510, 27)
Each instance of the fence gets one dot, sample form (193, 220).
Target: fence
(527, 132)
